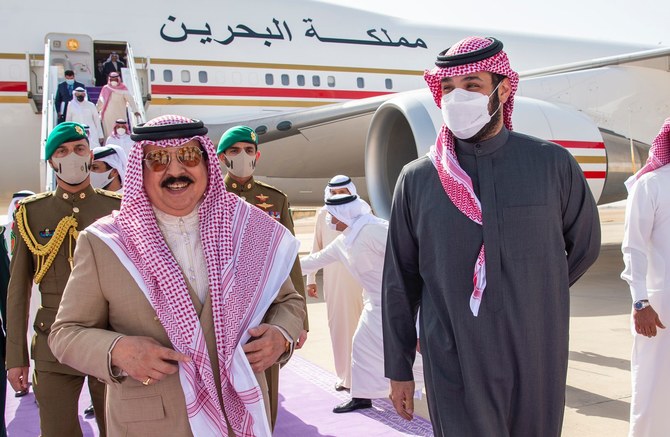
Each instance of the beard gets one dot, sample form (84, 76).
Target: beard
(489, 128)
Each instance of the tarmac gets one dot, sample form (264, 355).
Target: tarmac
(598, 386)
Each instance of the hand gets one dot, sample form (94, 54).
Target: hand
(301, 339)
(267, 344)
(143, 358)
(402, 396)
(646, 320)
(18, 378)
(312, 290)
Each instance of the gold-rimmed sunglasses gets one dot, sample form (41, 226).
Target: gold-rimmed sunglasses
(158, 160)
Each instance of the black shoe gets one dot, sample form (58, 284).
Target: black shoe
(340, 387)
(353, 405)
(89, 411)
(20, 393)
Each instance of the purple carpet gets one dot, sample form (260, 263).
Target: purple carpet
(22, 418)
(306, 398)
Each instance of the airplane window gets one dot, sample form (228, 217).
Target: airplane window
(360, 82)
(301, 80)
(284, 79)
(185, 76)
(269, 79)
(331, 81)
(167, 75)
(316, 81)
(202, 76)
(152, 75)
(389, 84)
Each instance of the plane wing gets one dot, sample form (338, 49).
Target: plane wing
(655, 58)
(605, 111)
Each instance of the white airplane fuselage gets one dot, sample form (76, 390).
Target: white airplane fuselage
(224, 61)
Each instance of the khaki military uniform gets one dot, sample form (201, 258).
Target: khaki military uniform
(57, 215)
(275, 203)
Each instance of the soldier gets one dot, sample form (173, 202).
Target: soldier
(46, 227)
(238, 154)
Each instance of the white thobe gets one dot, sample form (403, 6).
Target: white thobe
(182, 236)
(364, 259)
(344, 301)
(646, 251)
(116, 108)
(86, 113)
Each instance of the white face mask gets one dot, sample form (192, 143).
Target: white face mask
(241, 165)
(329, 222)
(73, 169)
(120, 131)
(114, 83)
(466, 112)
(101, 180)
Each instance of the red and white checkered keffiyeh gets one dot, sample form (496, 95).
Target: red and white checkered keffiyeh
(659, 154)
(248, 256)
(456, 183)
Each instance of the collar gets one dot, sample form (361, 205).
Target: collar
(72, 198)
(190, 220)
(235, 187)
(483, 148)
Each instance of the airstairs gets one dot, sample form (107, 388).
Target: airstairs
(76, 52)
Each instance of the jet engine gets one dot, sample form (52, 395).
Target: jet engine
(404, 128)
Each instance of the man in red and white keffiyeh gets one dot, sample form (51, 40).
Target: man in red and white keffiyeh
(659, 154)
(646, 249)
(167, 293)
(114, 102)
(486, 234)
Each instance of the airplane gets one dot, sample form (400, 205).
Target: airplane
(329, 89)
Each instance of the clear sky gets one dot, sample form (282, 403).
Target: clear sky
(634, 21)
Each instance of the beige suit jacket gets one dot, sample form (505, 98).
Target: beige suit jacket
(101, 302)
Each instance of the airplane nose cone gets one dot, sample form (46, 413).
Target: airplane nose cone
(624, 157)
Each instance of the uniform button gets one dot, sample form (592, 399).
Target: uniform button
(41, 324)
(243, 198)
(66, 196)
(479, 146)
(75, 209)
(82, 195)
(248, 186)
(479, 152)
(234, 185)
(156, 318)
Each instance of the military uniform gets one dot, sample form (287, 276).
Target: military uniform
(54, 217)
(275, 203)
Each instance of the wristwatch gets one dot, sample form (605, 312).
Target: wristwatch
(641, 304)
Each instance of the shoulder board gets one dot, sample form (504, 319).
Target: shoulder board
(112, 194)
(36, 197)
(270, 187)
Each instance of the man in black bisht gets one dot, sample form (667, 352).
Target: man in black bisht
(487, 233)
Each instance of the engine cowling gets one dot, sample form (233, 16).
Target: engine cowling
(405, 127)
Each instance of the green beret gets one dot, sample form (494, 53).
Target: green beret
(63, 133)
(237, 134)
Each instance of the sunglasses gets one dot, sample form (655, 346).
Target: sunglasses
(159, 160)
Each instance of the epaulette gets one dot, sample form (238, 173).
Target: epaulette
(270, 187)
(112, 194)
(34, 197)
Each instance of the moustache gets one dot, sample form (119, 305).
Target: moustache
(173, 179)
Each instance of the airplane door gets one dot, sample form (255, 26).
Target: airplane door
(70, 51)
